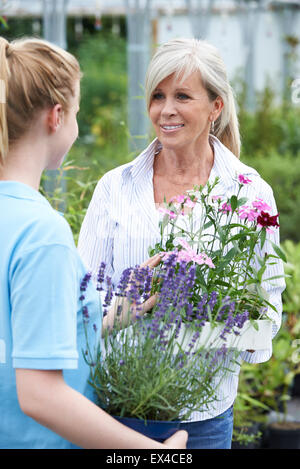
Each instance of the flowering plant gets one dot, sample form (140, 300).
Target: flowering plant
(145, 371)
(211, 272)
(225, 239)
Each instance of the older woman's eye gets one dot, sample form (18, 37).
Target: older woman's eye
(157, 96)
(182, 96)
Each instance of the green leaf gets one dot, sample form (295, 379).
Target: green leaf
(254, 402)
(242, 201)
(263, 237)
(279, 252)
(233, 202)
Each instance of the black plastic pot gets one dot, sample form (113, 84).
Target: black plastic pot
(296, 386)
(284, 436)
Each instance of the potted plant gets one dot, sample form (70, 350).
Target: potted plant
(223, 251)
(270, 384)
(210, 304)
(250, 414)
(284, 432)
(148, 378)
(291, 301)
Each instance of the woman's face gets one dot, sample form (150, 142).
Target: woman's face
(181, 112)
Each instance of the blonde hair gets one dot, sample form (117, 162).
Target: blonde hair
(183, 57)
(34, 75)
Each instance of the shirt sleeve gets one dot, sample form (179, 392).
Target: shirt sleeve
(96, 237)
(273, 287)
(44, 289)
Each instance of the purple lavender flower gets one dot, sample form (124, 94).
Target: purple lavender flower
(85, 281)
(109, 294)
(100, 276)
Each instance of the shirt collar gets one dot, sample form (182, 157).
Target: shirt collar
(142, 165)
(18, 190)
(226, 165)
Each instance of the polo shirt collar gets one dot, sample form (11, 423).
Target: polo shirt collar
(20, 190)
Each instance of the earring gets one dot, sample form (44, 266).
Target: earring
(212, 128)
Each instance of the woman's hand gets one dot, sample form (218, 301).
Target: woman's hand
(178, 440)
(127, 312)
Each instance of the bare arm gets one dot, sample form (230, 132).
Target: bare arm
(45, 397)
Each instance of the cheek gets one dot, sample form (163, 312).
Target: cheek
(154, 112)
(74, 130)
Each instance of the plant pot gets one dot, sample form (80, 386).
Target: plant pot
(156, 429)
(284, 435)
(249, 337)
(296, 386)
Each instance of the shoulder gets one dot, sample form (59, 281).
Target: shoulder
(46, 226)
(229, 167)
(130, 172)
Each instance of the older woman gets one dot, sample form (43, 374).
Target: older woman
(191, 107)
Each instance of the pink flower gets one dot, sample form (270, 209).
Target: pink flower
(187, 254)
(183, 200)
(178, 198)
(216, 198)
(226, 208)
(189, 203)
(165, 211)
(260, 205)
(202, 258)
(243, 179)
(246, 212)
(185, 245)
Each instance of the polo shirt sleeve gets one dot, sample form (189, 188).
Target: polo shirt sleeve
(44, 290)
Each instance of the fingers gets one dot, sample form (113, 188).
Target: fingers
(150, 303)
(178, 440)
(152, 261)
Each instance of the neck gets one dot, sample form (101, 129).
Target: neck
(185, 164)
(24, 163)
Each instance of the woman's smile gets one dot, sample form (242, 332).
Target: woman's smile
(170, 128)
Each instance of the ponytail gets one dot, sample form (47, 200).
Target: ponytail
(4, 77)
(35, 75)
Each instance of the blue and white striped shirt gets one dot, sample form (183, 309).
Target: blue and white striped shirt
(122, 222)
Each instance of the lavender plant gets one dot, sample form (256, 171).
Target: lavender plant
(144, 371)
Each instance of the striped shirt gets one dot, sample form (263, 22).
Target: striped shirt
(122, 222)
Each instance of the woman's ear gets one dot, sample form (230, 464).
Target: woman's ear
(218, 106)
(55, 118)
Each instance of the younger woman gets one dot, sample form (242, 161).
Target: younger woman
(43, 377)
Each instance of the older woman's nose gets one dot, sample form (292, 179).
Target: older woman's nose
(169, 107)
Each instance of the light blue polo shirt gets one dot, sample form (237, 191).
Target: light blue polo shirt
(41, 324)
